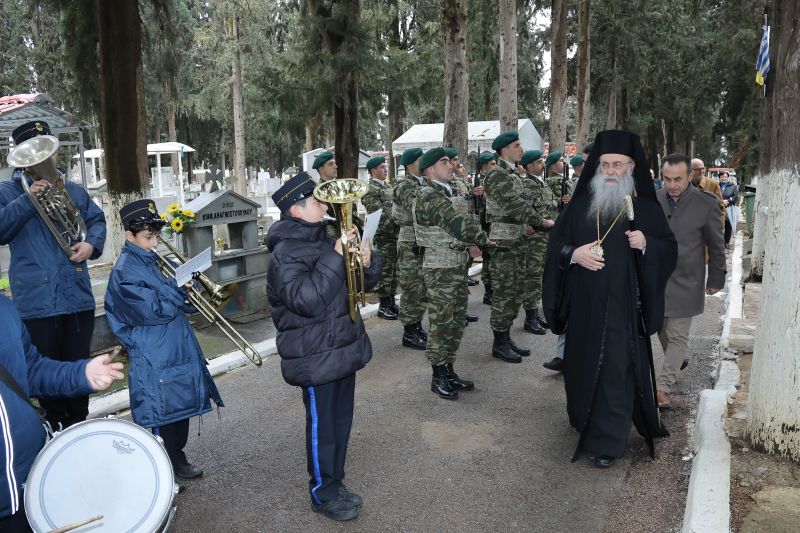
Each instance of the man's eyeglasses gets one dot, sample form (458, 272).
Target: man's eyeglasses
(616, 165)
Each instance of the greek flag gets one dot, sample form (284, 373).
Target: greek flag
(762, 63)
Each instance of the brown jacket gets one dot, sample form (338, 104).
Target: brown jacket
(695, 223)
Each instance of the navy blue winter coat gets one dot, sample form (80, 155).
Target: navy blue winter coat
(306, 288)
(43, 279)
(167, 378)
(37, 376)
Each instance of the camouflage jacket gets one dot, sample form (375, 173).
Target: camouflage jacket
(403, 198)
(542, 199)
(554, 181)
(503, 190)
(379, 196)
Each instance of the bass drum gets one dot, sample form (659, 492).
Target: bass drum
(107, 467)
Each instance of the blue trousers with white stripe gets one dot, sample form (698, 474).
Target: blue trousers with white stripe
(329, 416)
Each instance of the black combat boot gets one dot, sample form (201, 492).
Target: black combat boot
(440, 384)
(456, 382)
(393, 304)
(422, 333)
(502, 350)
(542, 321)
(521, 350)
(472, 282)
(532, 323)
(385, 310)
(487, 293)
(411, 337)
(472, 318)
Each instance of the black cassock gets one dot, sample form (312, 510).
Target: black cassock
(607, 373)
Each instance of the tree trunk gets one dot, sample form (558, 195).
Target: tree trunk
(456, 75)
(558, 76)
(583, 81)
(611, 116)
(345, 119)
(122, 112)
(240, 183)
(773, 423)
(173, 137)
(508, 65)
(396, 105)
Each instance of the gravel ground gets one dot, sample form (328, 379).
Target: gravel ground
(495, 460)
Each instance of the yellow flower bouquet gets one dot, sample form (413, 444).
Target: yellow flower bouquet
(177, 219)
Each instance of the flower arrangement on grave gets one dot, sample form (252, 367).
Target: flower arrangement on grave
(177, 219)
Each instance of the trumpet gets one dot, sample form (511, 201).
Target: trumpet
(342, 195)
(218, 296)
(54, 205)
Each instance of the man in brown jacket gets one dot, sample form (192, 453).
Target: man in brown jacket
(693, 217)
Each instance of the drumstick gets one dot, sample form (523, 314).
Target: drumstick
(76, 525)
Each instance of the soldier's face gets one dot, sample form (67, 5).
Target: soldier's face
(537, 167)
(329, 170)
(454, 164)
(380, 171)
(440, 171)
(486, 167)
(578, 169)
(513, 152)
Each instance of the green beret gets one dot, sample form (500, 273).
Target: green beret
(410, 155)
(504, 139)
(576, 161)
(485, 157)
(321, 159)
(552, 158)
(374, 162)
(529, 157)
(452, 153)
(430, 158)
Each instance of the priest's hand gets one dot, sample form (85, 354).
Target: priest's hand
(636, 239)
(585, 258)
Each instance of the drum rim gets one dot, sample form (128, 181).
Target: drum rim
(28, 495)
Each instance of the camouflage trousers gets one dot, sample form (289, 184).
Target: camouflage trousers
(447, 310)
(506, 272)
(533, 250)
(486, 272)
(387, 247)
(412, 284)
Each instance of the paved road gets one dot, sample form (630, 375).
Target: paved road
(495, 460)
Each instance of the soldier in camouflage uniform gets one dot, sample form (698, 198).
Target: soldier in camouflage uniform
(486, 161)
(449, 235)
(535, 242)
(409, 256)
(379, 196)
(462, 187)
(507, 212)
(557, 180)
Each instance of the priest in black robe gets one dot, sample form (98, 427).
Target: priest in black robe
(604, 283)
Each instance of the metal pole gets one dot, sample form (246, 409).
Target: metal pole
(158, 173)
(180, 177)
(82, 158)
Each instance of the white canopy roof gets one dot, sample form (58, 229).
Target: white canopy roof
(152, 149)
(479, 136)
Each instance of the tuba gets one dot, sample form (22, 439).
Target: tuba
(342, 195)
(218, 296)
(54, 205)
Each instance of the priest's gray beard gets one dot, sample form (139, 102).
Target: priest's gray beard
(608, 197)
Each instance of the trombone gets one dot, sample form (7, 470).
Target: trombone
(218, 295)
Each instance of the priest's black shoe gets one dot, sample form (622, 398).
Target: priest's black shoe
(556, 364)
(441, 385)
(422, 333)
(337, 509)
(472, 318)
(472, 282)
(187, 471)
(456, 382)
(502, 350)
(412, 338)
(385, 310)
(603, 461)
(521, 350)
(532, 323)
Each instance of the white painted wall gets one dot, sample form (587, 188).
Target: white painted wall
(774, 400)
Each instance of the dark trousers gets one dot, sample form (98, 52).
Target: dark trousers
(329, 416)
(17, 522)
(63, 338)
(174, 436)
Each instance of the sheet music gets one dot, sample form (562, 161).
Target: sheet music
(371, 225)
(199, 263)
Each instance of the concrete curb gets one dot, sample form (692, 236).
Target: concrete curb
(708, 500)
(120, 400)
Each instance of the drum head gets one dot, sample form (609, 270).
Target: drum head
(106, 467)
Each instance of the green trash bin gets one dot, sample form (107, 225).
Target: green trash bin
(749, 206)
